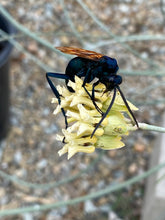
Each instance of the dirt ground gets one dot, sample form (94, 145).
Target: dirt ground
(29, 152)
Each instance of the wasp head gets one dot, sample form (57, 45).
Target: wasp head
(111, 81)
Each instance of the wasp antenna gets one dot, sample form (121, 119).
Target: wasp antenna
(106, 113)
(126, 104)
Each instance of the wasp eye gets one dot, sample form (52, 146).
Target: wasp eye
(118, 80)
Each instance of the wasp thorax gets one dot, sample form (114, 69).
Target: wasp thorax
(109, 64)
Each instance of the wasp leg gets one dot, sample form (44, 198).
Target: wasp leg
(86, 80)
(126, 104)
(56, 93)
(106, 113)
(93, 97)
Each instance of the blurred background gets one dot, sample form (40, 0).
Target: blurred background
(31, 172)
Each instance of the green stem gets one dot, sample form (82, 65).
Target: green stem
(74, 201)
(148, 127)
(144, 126)
(26, 31)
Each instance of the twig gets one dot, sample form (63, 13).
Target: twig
(160, 72)
(162, 9)
(105, 28)
(148, 102)
(148, 89)
(100, 43)
(90, 196)
(123, 39)
(18, 181)
(70, 23)
(20, 48)
(27, 32)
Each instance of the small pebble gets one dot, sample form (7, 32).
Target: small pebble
(33, 47)
(42, 163)
(112, 153)
(139, 147)
(89, 206)
(132, 168)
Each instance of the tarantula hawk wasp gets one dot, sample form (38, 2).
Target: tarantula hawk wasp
(91, 65)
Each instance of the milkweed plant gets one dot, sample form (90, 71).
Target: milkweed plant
(82, 118)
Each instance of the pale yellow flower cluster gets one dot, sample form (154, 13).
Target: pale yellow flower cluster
(82, 118)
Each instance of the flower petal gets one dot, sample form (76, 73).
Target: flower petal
(73, 150)
(107, 142)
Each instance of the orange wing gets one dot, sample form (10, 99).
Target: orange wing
(88, 54)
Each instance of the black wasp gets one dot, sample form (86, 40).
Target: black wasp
(91, 65)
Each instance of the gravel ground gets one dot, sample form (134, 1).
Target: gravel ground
(30, 149)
